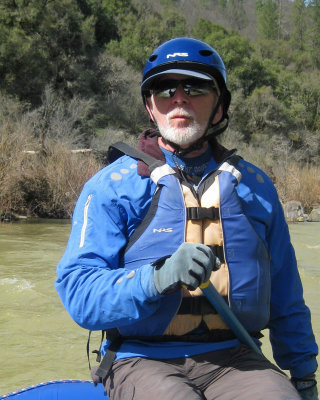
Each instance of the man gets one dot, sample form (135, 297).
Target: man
(155, 224)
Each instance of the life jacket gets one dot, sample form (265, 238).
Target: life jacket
(211, 215)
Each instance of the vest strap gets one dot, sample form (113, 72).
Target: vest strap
(218, 252)
(197, 305)
(119, 149)
(107, 361)
(100, 372)
(200, 213)
(216, 335)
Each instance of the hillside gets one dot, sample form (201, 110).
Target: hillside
(70, 75)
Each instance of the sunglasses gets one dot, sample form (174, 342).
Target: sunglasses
(167, 88)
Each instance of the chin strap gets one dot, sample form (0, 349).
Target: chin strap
(213, 131)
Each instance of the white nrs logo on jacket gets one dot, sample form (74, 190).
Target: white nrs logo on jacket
(177, 55)
(160, 230)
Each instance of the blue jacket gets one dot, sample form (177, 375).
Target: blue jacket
(100, 292)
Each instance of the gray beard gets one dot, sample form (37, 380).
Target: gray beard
(182, 136)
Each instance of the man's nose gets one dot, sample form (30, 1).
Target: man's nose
(180, 95)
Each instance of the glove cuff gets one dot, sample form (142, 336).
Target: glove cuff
(159, 263)
(304, 383)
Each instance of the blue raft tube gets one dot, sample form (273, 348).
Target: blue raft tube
(59, 390)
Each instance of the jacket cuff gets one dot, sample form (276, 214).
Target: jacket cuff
(304, 368)
(147, 282)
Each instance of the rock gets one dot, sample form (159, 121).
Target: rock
(8, 217)
(314, 216)
(293, 211)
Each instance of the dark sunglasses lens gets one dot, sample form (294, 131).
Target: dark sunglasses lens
(165, 88)
(197, 90)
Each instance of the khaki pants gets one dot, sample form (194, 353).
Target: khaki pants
(232, 374)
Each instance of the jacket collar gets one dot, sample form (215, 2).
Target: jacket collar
(148, 143)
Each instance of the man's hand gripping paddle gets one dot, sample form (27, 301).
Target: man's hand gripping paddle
(190, 266)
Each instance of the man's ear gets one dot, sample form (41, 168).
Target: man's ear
(218, 116)
(149, 108)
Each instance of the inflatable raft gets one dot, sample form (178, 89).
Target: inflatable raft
(59, 390)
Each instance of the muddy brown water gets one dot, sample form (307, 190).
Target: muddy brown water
(39, 341)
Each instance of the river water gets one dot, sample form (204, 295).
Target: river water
(39, 341)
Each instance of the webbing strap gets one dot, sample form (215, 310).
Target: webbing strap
(123, 148)
(97, 352)
(106, 363)
(88, 349)
(197, 305)
(199, 213)
(218, 252)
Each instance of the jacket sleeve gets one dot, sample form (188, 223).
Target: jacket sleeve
(291, 336)
(94, 290)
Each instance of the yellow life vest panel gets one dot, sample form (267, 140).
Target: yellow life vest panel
(208, 232)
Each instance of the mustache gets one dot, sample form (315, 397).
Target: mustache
(179, 113)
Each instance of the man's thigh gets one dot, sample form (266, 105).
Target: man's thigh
(241, 374)
(145, 379)
(230, 374)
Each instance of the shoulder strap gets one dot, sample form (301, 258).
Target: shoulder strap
(146, 220)
(120, 148)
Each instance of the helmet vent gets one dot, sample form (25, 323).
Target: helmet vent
(153, 57)
(206, 53)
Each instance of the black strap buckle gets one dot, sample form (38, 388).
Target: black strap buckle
(200, 213)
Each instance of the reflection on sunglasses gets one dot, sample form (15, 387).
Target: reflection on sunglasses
(192, 87)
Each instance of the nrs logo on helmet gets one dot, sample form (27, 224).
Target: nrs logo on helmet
(178, 55)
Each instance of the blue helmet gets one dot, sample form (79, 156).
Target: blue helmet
(186, 56)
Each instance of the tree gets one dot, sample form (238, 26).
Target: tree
(232, 47)
(237, 14)
(53, 42)
(261, 113)
(245, 71)
(141, 33)
(41, 42)
(268, 19)
(314, 31)
(300, 95)
(298, 18)
(105, 14)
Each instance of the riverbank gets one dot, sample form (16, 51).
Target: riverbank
(46, 183)
(293, 212)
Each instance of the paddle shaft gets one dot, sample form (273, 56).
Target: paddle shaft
(228, 316)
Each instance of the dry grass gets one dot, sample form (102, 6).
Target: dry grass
(293, 179)
(301, 183)
(66, 174)
(45, 185)
(48, 183)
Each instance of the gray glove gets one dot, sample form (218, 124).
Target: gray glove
(307, 387)
(190, 265)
